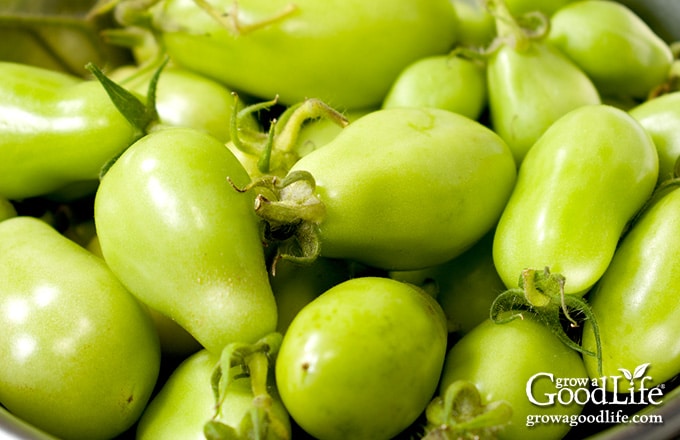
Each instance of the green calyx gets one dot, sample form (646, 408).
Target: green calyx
(276, 147)
(290, 213)
(143, 116)
(541, 293)
(460, 414)
(516, 31)
(255, 361)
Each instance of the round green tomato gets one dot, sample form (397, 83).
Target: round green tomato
(578, 187)
(186, 402)
(635, 302)
(660, 118)
(80, 356)
(265, 47)
(407, 188)
(500, 359)
(450, 82)
(615, 47)
(362, 360)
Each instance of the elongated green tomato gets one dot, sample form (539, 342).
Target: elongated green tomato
(450, 82)
(80, 356)
(465, 286)
(577, 189)
(186, 402)
(184, 98)
(362, 360)
(188, 244)
(263, 47)
(660, 118)
(408, 188)
(635, 301)
(55, 130)
(531, 84)
(501, 359)
(616, 48)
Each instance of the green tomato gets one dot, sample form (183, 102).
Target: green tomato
(42, 114)
(80, 356)
(189, 246)
(450, 82)
(616, 48)
(660, 117)
(7, 209)
(577, 189)
(529, 89)
(500, 359)
(362, 360)
(186, 402)
(184, 98)
(296, 285)
(264, 47)
(465, 286)
(476, 26)
(636, 302)
(408, 188)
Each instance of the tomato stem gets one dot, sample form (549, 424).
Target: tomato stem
(461, 414)
(542, 294)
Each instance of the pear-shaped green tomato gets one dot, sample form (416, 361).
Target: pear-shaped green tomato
(450, 82)
(661, 118)
(578, 187)
(186, 402)
(636, 301)
(266, 47)
(502, 359)
(615, 47)
(184, 240)
(363, 360)
(529, 89)
(408, 188)
(80, 356)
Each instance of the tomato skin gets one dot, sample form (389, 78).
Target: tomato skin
(407, 188)
(41, 113)
(578, 187)
(186, 402)
(500, 358)
(465, 286)
(358, 49)
(660, 118)
(529, 89)
(450, 82)
(362, 360)
(80, 356)
(203, 265)
(615, 47)
(635, 302)
(184, 98)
